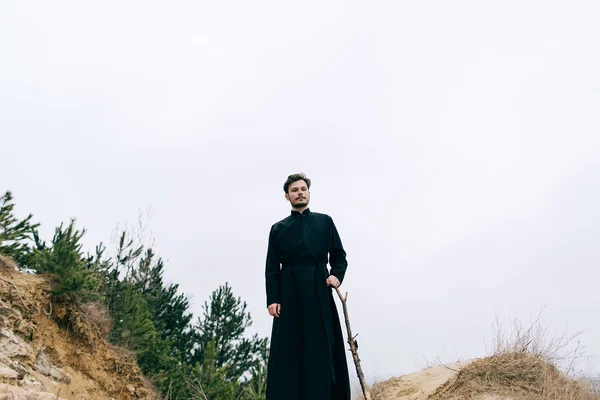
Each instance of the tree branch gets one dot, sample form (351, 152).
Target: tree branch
(354, 347)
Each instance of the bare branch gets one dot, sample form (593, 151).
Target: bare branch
(353, 347)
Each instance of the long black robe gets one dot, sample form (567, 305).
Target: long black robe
(307, 359)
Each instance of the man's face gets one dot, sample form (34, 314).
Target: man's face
(298, 194)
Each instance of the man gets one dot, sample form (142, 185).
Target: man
(307, 359)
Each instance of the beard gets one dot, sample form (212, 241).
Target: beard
(301, 204)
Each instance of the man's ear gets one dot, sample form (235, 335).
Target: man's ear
(287, 197)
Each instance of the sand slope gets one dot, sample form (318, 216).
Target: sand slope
(513, 375)
(50, 351)
(417, 386)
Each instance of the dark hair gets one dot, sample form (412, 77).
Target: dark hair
(294, 178)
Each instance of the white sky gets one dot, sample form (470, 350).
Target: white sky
(455, 144)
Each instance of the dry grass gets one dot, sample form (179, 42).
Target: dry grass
(560, 349)
(528, 363)
(7, 265)
(382, 390)
(97, 313)
(513, 375)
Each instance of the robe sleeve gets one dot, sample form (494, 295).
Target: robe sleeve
(337, 255)
(272, 271)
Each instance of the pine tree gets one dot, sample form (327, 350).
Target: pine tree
(168, 308)
(166, 356)
(165, 369)
(224, 322)
(109, 271)
(132, 327)
(127, 255)
(209, 380)
(256, 386)
(151, 318)
(15, 235)
(65, 260)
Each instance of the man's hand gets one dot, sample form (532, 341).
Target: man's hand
(333, 281)
(274, 310)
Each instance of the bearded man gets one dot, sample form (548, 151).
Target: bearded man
(307, 359)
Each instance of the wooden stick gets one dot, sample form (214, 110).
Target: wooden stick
(353, 347)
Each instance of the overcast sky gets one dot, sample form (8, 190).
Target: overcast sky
(455, 144)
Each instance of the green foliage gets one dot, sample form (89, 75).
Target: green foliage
(135, 295)
(132, 323)
(165, 369)
(107, 282)
(225, 321)
(127, 255)
(66, 261)
(209, 380)
(109, 272)
(256, 387)
(15, 235)
(168, 308)
(211, 360)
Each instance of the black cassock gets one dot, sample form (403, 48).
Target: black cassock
(307, 359)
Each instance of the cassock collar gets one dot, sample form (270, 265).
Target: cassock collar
(297, 213)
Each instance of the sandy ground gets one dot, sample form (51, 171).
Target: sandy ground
(416, 386)
(502, 376)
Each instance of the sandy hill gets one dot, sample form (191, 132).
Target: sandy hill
(505, 376)
(52, 351)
